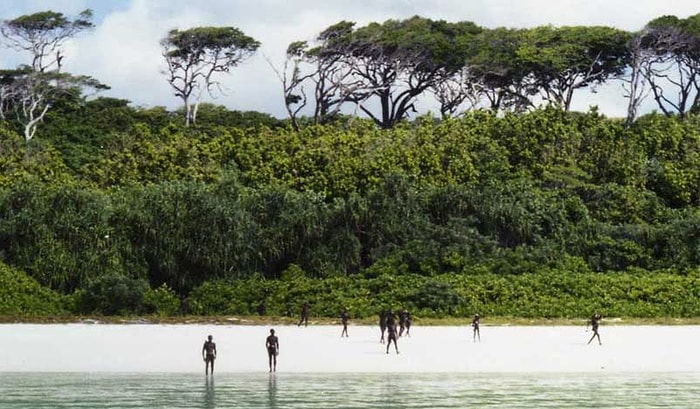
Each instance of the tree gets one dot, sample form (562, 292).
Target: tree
(196, 55)
(674, 63)
(322, 69)
(634, 85)
(454, 90)
(562, 60)
(496, 71)
(43, 35)
(30, 89)
(395, 62)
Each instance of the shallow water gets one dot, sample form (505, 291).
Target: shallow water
(322, 390)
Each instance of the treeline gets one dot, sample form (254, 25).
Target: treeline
(546, 213)
(381, 70)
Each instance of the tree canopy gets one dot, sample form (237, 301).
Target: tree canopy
(196, 55)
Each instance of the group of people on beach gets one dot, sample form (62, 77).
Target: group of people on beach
(387, 324)
(272, 345)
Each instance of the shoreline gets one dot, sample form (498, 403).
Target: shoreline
(270, 320)
(321, 349)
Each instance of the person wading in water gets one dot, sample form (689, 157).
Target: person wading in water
(209, 354)
(273, 349)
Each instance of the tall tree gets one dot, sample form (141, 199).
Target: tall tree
(316, 76)
(496, 71)
(634, 84)
(673, 70)
(30, 89)
(562, 60)
(43, 35)
(196, 55)
(397, 61)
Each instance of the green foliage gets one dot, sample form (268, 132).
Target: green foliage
(20, 295)
(236, 220)
(112, 294)
(162, 300)
(436, 297)
(545, 293)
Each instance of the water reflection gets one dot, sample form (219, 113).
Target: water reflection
(209, 395)
(361, 391)
(272, 391)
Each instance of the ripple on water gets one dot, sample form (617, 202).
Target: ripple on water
(308, 391)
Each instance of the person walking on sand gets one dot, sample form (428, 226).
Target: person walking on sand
(409, 321)
(304, 318)
(476, 321)
(344, 317)
(402, 322)
(209, 354)
(273, 349)
(594, 322)
(391, 332)
(382, 324)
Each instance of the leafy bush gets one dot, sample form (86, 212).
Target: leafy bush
(437, 298)
(113, 295)
(162, 300)
(21, 295)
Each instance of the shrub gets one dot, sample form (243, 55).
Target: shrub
(113, 295)
(21, 295)
(163, 301)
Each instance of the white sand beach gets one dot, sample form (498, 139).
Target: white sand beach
(320, 349)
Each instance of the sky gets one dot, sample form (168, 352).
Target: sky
(123, 49)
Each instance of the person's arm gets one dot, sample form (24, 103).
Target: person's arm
(214, 350)
(204, 348)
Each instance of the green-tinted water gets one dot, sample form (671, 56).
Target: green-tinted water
(289, 391)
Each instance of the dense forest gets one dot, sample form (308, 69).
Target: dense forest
(106, 208)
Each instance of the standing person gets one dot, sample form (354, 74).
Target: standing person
(594, 323)
(344, 317)
(391, 332)
(273, 349)
(402, 322)
(409, 321)
(382, 324)
(209, 354)
(476, 321)
(304, 315)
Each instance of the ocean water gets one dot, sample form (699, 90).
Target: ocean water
(32, 390)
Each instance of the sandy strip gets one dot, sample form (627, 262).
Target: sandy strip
(507, 349)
